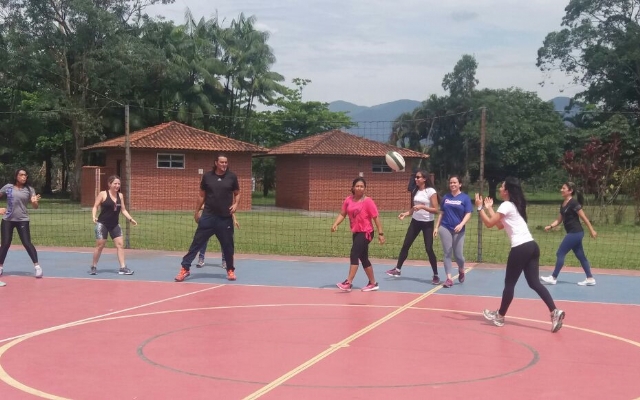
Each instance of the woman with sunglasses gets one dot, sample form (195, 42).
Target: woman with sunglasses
(423, 209)
(111, 203)
(15, 216)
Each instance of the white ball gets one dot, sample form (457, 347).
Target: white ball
(395, 161)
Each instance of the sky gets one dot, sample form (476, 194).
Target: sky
(370, 52)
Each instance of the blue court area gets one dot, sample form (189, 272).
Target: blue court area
(613, 286)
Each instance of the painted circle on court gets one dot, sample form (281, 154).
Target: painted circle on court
(177, 349)
(242, 330)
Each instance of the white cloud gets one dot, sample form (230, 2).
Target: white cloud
(374, 51)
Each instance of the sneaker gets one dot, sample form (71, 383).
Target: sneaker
(588, 282)
(345, 286)
(223, 264)
(93, 271)
(395, 272)
(125, 271)
(556, 320)
(2, 284)
(461, 276)
(498, 320)
(200, 263)
(371, 287)
(231, 275)
(38, 271)
(182, 275)
(549, 279)
(448, 283)
(435, 280)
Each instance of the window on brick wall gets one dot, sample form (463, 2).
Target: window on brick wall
(380, 165)
(170, 161)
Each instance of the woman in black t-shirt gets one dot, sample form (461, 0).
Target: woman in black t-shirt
(570, 214)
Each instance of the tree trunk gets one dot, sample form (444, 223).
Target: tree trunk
(77, 167)
(48, 165)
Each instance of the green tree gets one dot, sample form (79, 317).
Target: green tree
(523, 135)
(599, 45)
(293, 119)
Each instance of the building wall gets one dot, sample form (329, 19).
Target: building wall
(292, 182)
(93, 180)
(320, 183)
(155, 188)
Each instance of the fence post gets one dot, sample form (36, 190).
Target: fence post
(483, 119)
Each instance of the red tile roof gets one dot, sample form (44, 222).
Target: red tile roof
(176, 136)
(337, 142)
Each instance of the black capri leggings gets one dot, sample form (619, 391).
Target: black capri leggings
(6, 236)
(415, 227)
(360, 248)
(525, 257)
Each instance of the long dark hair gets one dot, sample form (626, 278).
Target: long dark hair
(427, 183)
(27, 185)
(358, 179)
(516, 195)
(575, 192)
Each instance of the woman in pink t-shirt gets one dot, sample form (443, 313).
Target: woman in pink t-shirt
(361, 211)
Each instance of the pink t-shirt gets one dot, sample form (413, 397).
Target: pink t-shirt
(360, 213)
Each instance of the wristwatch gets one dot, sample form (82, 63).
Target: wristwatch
(380, 234)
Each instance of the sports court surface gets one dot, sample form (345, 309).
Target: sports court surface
(284, 331)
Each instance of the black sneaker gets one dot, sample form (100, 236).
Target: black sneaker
(125, 271)
(93, 271)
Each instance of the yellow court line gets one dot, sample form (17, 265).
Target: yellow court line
(80, 321)
(5, 377)
(343, 343)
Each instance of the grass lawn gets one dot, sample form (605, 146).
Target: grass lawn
(265, 230)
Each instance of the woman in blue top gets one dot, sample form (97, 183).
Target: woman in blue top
(15, 216)
(455, 212)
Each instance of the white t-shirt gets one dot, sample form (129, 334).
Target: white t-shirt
(423, 198)
(514, 224)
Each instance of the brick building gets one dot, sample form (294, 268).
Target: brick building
(315, 173)
(167, 163)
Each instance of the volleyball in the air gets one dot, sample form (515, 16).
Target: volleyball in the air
(395, 161)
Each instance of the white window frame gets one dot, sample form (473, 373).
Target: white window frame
(379, 166)
(179, 158)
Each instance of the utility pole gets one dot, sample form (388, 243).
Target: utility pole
(483, 120)
(127, 174)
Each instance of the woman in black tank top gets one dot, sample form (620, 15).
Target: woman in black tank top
(111, 203)
(571, 213)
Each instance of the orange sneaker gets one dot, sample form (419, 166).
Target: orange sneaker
(182, 274)
(231, 275)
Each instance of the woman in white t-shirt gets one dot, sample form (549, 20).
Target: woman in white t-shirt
(525, 253)
(425, 206)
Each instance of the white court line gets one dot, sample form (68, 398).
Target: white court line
(68, 324)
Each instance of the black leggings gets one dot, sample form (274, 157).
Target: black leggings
(360, 249)
(6, 236)
(525, 257)
(415, 227)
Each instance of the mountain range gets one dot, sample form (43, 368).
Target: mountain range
(388, 112)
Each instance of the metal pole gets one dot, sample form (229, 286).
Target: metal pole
(483, 118)
(127, 173)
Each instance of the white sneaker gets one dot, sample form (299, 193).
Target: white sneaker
(38, 271)
(588, 282)
(549, 279)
